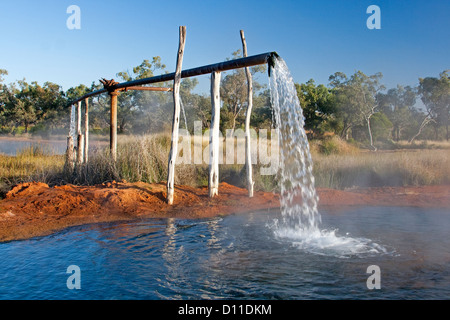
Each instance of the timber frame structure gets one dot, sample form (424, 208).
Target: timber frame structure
(113, 89)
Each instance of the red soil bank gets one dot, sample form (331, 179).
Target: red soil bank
(35, 209)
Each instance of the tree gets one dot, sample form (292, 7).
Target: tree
(141, 110)
(234, 93)
(3, 97)
(356, 99)
(317, 104)
(397, 105)
(435, 94)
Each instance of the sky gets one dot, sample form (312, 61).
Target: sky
(316, 38)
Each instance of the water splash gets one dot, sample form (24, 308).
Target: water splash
(72, 123)
(298, 194)
(300, 216)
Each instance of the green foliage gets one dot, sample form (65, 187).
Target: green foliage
(435, 94)
(318, 105)
(353, 107)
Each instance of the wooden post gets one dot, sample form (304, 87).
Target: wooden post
(78, 128)
(86, 130)
(80, 144)
(248, 152)
(70, 164)
(113, 125)
(213, 181)
(176, 117)
(80, 147)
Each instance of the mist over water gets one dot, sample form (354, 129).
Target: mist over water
(300, 218)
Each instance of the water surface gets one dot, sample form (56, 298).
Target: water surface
(236, 257)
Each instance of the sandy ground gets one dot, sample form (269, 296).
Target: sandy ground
(35, 209)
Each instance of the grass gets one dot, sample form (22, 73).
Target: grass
(337, 164)
(34, 163)
(395, 168)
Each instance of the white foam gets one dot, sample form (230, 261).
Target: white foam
(328, 242)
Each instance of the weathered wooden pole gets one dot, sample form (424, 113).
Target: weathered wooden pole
(86, 129)
(248, 152)
(80, 143)
(78, 128)
(213, 181)
(113, 125)
(69, 163)
(176, 117)
(80, 153)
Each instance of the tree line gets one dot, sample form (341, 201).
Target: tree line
(356, 107)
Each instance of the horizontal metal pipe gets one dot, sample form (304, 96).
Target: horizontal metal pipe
(222, 66)
(88, 95)
(139, 88)
(219, 67)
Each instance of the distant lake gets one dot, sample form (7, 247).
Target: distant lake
(10, 146)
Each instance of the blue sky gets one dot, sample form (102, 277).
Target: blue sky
(315, 38)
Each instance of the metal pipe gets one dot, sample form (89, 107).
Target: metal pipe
(138, 88)
(222, 66)
(218, 67)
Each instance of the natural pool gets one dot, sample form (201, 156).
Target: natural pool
(237, 257)
(11, 147)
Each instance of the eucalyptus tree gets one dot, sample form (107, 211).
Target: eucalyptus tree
(397, 104)
(356, 100)
(435, 94)
(317, 103)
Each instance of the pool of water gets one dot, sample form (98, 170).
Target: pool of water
(238, 257)
(10, 147)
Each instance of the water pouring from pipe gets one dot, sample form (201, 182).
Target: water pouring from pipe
(300, 218)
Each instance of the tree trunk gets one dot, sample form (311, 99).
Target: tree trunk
(69, 163)
(113, 125)
(176, 117)
(422, 125)
(213, 180)
(248, 153)
(80, 149)
(369, 129)
(344, 133)
(86, 130)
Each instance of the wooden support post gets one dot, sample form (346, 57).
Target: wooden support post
(80, 143)
(86, 130)
(78, 128)
(213, 181)
(113, 125)
(248, 150)
(80, 148)
(69, 163)
(176, 117)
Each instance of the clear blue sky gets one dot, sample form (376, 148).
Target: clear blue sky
(316, 38)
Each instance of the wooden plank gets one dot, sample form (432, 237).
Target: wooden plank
(213, 181)
(248, 150)
(176, 117)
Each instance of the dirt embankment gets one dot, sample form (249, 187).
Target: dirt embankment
(35, 209)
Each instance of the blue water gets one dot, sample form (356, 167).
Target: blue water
(236, 257)
(12, 147)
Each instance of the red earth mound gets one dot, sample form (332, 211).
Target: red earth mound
(35, 209)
